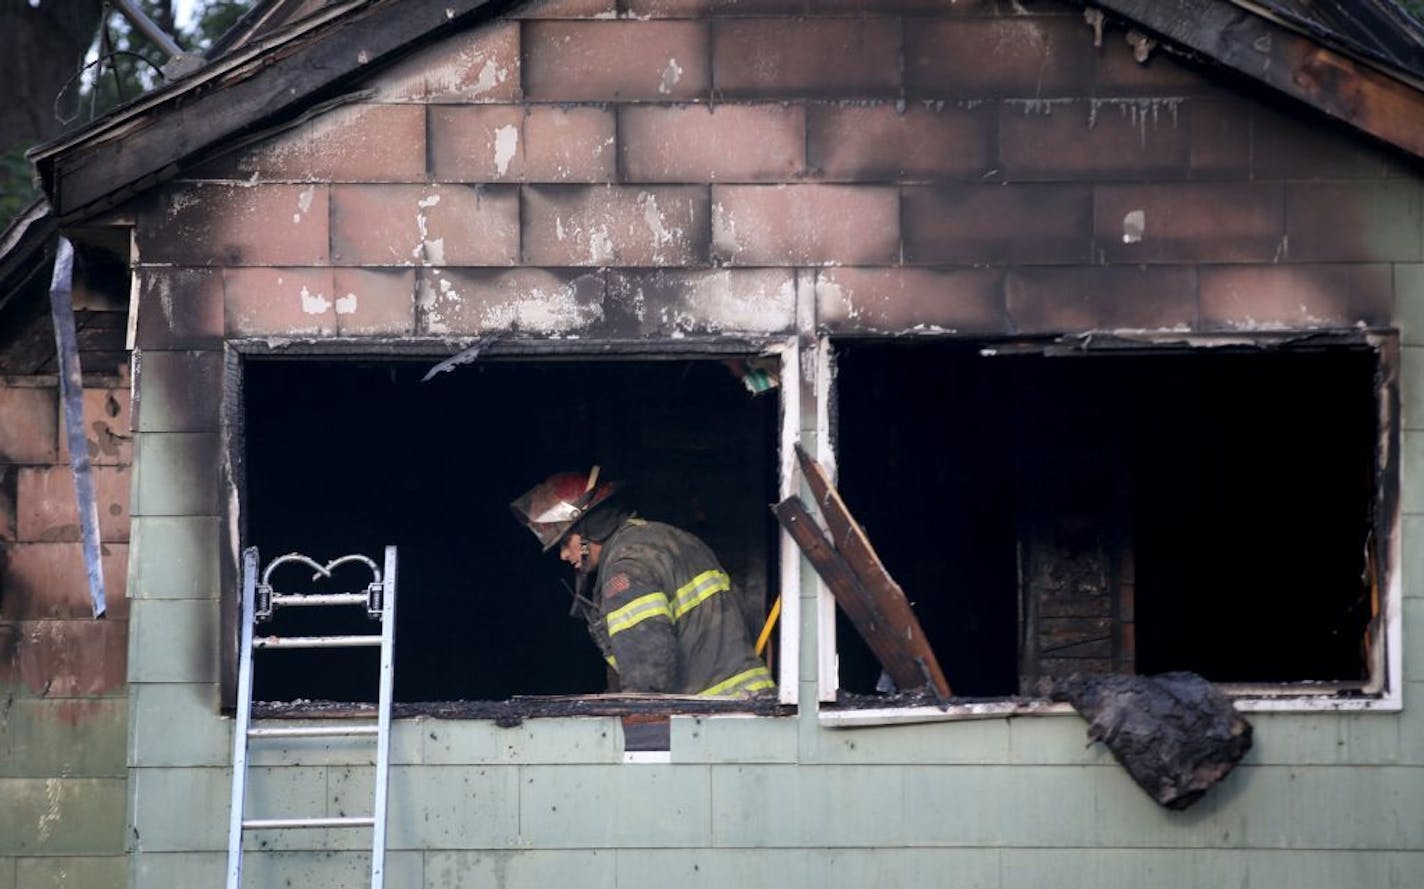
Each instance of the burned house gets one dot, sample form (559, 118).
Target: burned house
(1105, 316)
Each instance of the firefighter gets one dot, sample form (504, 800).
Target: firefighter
(660, 608)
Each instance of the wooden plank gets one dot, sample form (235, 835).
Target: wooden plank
(1384, 106)
(886, 638)
(889, 601)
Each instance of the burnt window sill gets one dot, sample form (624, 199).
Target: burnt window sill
(516, 710)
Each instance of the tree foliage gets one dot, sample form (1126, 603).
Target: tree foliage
(65, 62)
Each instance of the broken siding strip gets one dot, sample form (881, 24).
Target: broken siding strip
(71, 387)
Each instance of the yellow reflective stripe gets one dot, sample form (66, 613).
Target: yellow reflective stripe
(698, 590)
(748, 681)
(637, 611)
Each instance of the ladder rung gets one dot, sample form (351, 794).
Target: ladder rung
(316, 641)
(319, 599)
(312, 731)
(288, 823)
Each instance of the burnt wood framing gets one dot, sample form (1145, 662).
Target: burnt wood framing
(1368, 99)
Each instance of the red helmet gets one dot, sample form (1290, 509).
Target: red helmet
(551, 508)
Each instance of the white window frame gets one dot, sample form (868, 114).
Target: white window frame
(1383, 692)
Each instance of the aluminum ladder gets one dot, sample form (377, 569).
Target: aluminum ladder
(259, 603)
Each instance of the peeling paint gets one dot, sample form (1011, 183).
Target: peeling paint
(1134, 224)
(346, 305)
(491, 76)
(671, 75)
(304, 203)
(506, 142)
(314, 303)
(52, 814)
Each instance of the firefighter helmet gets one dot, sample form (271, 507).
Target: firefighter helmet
(552, 508)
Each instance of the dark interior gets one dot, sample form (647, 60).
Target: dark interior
(1247, 478)
(347, 456)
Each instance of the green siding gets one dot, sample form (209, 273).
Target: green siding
(60, 816)
(70, 872)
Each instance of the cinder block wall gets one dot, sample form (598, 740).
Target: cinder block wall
(63, 701)
(657, 168)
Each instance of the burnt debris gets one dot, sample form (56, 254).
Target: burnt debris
(1175, 733)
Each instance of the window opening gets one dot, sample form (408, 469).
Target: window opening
(1207, 510)
(352, 455)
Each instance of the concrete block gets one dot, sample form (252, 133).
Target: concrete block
(108, 427)
(786, 58)
(531, 300)
(1029, 224)
(697, 143)
(733, 739)
(51, 580)
(1190, 222)
(592, 225)
(374, 302)
(805, 224)
(177, 724)
(1092, 139)
(1276, 297)
(558, 741)
(889, 300)
(1354, 222)
(68, 658)
(71, 872)
(784, 805)
(179, 308)
(354, 143)
(673, 303)
(615, 61)
(29, 425)
(175, 557)
(67, 738)
(946, 58)
(885, 141)
(623, 805)
(588, 868)
(179, 391)
(402, 225)
(61, 816)
(177, 474)
(173, 640)
(179, 809)
(1102, 298)
(570, 144)
(46, 510)
(476, 65)
(279, 302)
(456, 807)
(202, 224)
